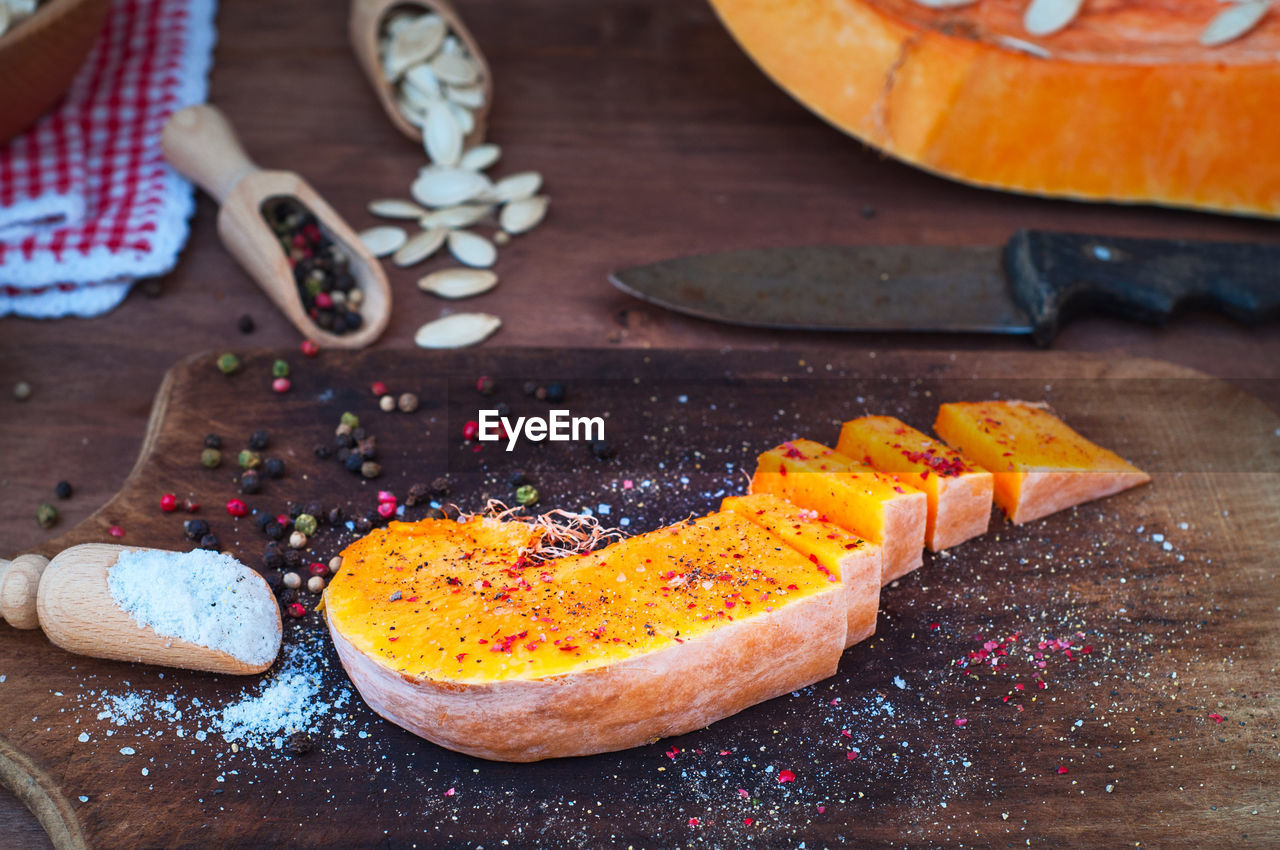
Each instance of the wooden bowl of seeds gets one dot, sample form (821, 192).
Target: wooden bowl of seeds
(426, 68)
(43, 43)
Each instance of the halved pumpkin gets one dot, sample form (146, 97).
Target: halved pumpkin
(450, 631)
(1123, 104)
(1040, 464)
(959, 491)
(853, 496)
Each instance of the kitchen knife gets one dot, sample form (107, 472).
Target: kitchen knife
(1024, 287)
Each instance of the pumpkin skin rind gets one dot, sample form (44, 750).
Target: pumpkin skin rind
(1041, 465)
(1098, 120)
(668, 688)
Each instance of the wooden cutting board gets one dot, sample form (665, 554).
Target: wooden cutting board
(1106, 674)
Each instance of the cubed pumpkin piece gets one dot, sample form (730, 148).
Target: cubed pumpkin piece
(1041, 465)
(855, 561)
(852, 495)
(958, 490)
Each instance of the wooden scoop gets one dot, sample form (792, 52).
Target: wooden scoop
(199, 142)
(68, 597)
(365, 30)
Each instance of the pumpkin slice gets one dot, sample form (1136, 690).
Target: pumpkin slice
(448, 630)
(852, 495)
(1041, 466)
(958, 490)
(1123, 103)
(856, 561)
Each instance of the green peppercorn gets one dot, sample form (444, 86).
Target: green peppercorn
(305, 523)
(228, 364)
(370, 469)
(249, 459)
(211, 458)
(46, 515)
(350, 420)
(280, 369)
(527, 494)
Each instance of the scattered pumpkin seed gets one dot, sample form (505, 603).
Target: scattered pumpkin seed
(1236, 20)
(447, 187)
(420, 246)
(458, 283)
(517, 187)
(441, 135)
(472, 249)
(524, 215)
(480, 157)
(414, 43)
(455, 69)
(1045, 17)
(396, 208)
(383, 241)
(458, 330)
(463, 215)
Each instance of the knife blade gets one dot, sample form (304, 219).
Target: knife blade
(1026, 286)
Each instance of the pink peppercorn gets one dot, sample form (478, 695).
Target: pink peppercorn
(324, 300)
(379, 389)
(1061, 770)
(786, 776)
(283, 519)
(237, 508)
(471, 430)
(168, 503)
(310, 347)
(318, 569)
(386, 509)
(296, 610)
(386, 496)
(190, 506)
(115, 531)
(281, 385)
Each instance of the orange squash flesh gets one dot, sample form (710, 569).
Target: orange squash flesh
(853, 496)
(856, 561)
(1040, 464)
(958, 490)
(1127, 106)
(446, 630)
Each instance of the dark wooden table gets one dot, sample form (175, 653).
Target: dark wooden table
(656, 136)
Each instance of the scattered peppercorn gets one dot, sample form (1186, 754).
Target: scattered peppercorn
(378, 388)
(322, 451)
(288, 596)
(249, 459)
(310, 347)
(212, 441)
(299, 744)
(335, 563)
(190, 505)
(250, 482)
(370, 469)
(297, 540)
(195, 528)
(602, 450)
(115, 531)
(292, 558)
(387, 404)
(386, 509)
(530, 388)
(228, 364)
(280, 369)
(259, 440)
(540, 393)
(274, 530)
(407, 403)
(305, 523)
(245, 324)
(21, 391)
(211, 458)
(503, 409)
(442, 486)
(350, 420)
(527, 495)
(273, 467)
(315, 584)
(210, 541)
(62, 490)
(273, 581)
(316, 510)
(436, 513)
(555, 392)
(46, 515)
(335, 516)
(368, 448)
(293, 509)
(292, 580)
(296, 611)
(364, 525)
(518, 477)
(281, 385)
(271, 557)
(237, 508)
(417, 493)
(168, 503)
(471, 430)
(486, 385)
(353, 462)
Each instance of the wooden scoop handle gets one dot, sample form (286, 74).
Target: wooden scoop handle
(200, 142)
(19, 584)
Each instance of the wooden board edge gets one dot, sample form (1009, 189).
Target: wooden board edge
(36, 790)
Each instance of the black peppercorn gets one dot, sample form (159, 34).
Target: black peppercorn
(272, 558)
(292, 558)
(436, 513)
(335, 516)
(293, 509)
(503, 409)
(344, 441)
(555, 392)
(288, 596)
(417, 493)
(358, 433)
(518, 478)
(602, 450)
(364, 525)
(259, 440)
(323, 452)
(486, 385)
(316, 510)
(262, 519)
(250, 482)
(299, 744)
(441, 486)
(274, 530)
(212, 441)
(245, 324)
(273, 467)
(368, 448)
(209, 541)
(62, 490)
(195, 528)
(274, 581)
(354, 462)
(530, 388)
(343, 454)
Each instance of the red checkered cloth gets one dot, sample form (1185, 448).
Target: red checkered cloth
(87, 203)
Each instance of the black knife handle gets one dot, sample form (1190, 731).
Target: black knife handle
(1054, 275)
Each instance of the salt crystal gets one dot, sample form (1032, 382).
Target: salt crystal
(202, 597)
(83, 798)
(127, 751)
(84, 738)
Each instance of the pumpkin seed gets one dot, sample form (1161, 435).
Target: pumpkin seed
(1233, 22)
(396, 208)
(384, 240)
(454, 68)
(416, 97)
(441, 135)
(480, 157)
(466, 121)
(524, 215)
(472, 249)
(447, 187)
(413, 116)
(457, 331)
(517, 187)
(1045, 17)
(463, 215)
(458, 283)
(471, 97)
(420, 246)
(422, 78)
(414, 43)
